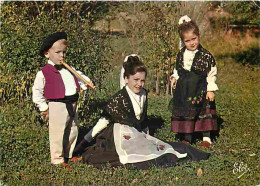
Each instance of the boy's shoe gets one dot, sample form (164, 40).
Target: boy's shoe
(205, 144)
(65, 166)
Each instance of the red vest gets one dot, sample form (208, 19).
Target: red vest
(54, 86)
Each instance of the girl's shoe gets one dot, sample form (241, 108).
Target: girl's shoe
(205, 144)
(186, 142)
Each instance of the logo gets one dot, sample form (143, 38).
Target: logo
(240, 168)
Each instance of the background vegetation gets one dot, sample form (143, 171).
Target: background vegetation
(100, 35)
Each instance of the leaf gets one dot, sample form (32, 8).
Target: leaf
(134, 181)
(199, 172)
(246, 149)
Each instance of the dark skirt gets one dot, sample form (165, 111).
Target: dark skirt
(191, 112)
(103, 152)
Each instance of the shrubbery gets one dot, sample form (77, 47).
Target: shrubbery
(25, 24)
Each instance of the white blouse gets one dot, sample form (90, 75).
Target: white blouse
(188, 57)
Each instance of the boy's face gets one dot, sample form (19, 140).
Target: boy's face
(136, 82)
(191, 40)
(57, 52)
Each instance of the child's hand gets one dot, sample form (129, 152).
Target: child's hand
(210, 96)
(173, 82)
(45, 114)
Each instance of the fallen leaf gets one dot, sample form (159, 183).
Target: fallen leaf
(145, 173)
(134, 181)
(246, 134)
(199, 172)
(232, 150)
(246, 149)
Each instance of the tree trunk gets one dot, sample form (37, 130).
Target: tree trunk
(167, 85)
(157, 90)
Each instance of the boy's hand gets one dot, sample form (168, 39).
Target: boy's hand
(45, 114)
(210, 96)
(173, 82)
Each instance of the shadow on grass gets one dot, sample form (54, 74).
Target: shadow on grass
(155, 123)
(90, 113)
(248, 57)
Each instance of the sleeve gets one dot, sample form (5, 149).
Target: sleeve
(38, 92)
(81, 83)
(122, 79)
(175, 71)
(212, 75)
(101, 124)
(175, 74)
(211, 79)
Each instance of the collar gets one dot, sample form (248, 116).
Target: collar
(198, 49)
(51, 63)
(142, 92)
(191, 52)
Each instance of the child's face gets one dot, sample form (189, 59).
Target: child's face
(191, 40)
(57, 52)
(136, 82)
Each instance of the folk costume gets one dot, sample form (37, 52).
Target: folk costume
(122, 137)
(56, 89)
(196, 74)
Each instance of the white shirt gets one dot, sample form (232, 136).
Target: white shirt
(188, 57)
(69, 82)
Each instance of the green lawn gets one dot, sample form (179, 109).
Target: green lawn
(25, 158)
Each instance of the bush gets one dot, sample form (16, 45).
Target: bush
(250, 56)
(25, 24)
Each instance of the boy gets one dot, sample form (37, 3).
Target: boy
(60, 88)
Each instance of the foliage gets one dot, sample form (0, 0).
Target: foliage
(250, 56)
(24, 144)
(25, 24)
(25, 158)
(246, 12)
(241, 14)
(151, 30)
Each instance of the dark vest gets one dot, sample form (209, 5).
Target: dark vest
(120, 110)
(54, 85)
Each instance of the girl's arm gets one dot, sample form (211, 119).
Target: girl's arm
(175, 74)
(101, 124)
(211, 79)
(212, 86)
(174, 77)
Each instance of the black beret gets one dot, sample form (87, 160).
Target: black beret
(50, 39)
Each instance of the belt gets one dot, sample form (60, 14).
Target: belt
(68, 100)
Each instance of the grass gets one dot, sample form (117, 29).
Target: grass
(24, 145)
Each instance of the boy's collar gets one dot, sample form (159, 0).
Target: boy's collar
(51, 63)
